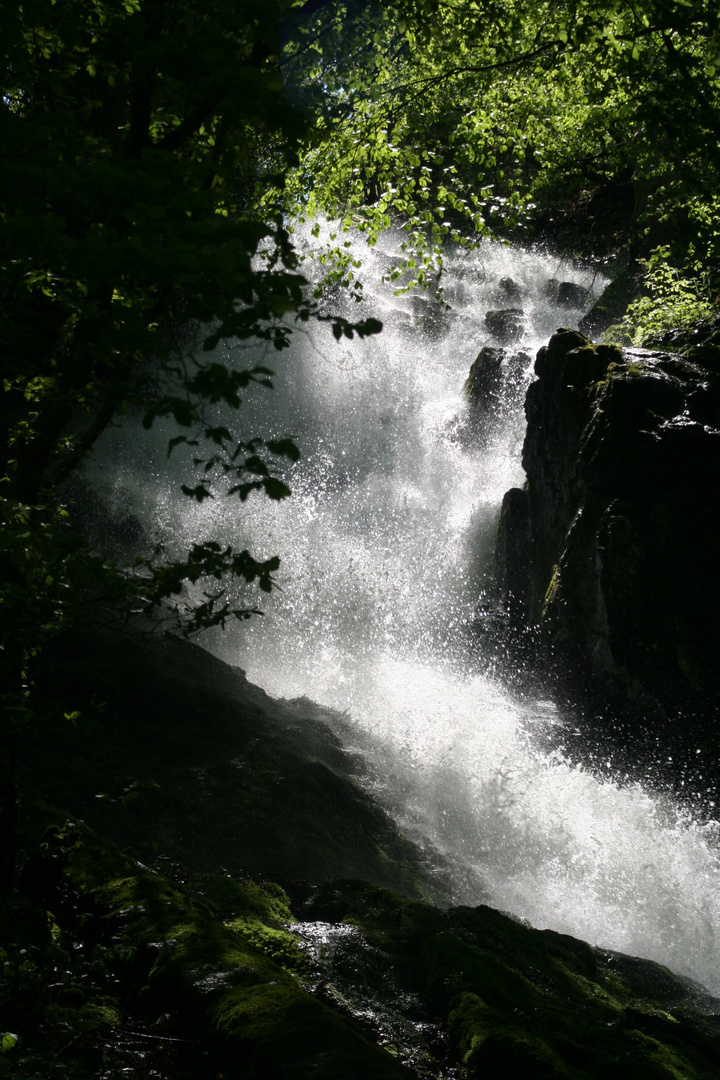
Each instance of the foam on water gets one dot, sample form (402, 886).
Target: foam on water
(386, 546)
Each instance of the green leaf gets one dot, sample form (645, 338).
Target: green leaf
(9, 1042)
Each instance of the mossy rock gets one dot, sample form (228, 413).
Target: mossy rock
(219, 966)
(137, 960)
(520, 1002)
(242, 985)
(403, 989)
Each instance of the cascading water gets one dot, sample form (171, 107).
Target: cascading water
(385, 548)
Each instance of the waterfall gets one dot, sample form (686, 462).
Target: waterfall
(386, 546)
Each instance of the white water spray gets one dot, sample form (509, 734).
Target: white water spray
(385, 546)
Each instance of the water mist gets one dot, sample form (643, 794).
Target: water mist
(386, 547)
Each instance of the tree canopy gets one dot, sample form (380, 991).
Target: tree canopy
(143, 147)
(594, 125)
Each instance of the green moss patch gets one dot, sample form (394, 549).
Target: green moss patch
(520, 1002)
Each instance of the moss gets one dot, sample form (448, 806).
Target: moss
(245, 977)
(519, 1002)
(551, 590)
(298, 1036)
(659, 1059)
(490, 1046)
(279, 945)
(612, 304)
(510, 1054)
(594, 990)
(86, 1018)
(617, 335)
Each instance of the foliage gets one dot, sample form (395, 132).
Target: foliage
(152, 153)
(143, 145)
(143, 149)
(673, 300)
(453, 120)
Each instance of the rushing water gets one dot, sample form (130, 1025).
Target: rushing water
(386, 546)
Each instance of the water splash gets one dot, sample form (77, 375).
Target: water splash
(386, 546)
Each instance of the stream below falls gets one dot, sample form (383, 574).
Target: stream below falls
(386, 548)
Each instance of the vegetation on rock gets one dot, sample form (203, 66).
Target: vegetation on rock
(196, 965)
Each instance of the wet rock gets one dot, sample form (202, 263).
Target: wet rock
(550, 292)
(238, 981)
(566, 294)
(571, 296)
(196, 762)
(510, 288)
(485, 382)
(506, 324)
(431, 316)
(514, 1002)
(511, 554)
(496, 379)
(192, 968)
(610, 307)
(612, 547)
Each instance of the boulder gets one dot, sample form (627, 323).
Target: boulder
(485, 382)
(506, 324)
(611, 549)
(550, 292)
(224, 975)
(496, 378)
(510, 288)
(566, 294)
(571, 296)
(431, 316)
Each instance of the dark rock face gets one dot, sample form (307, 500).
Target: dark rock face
(225, 775)
(495, 375)
(494, 385)
(570, 295)
(612, 547)
(611, 306)
(566, 294)
(506, 325)
(511, 567)
(430, 316)
(485, 382)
